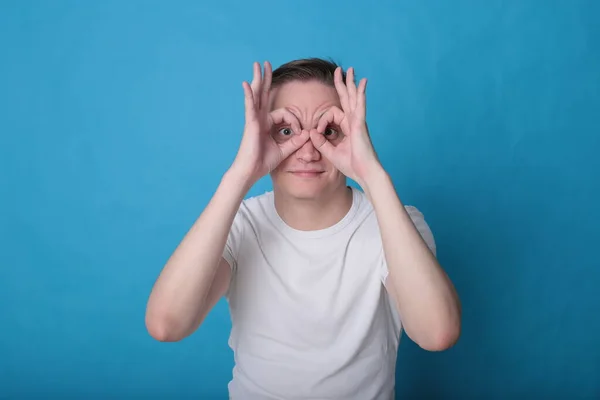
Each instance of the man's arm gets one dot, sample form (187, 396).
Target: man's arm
(196, 275)
(424, 296)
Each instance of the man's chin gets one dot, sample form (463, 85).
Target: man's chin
(300, 193)
(304, 189)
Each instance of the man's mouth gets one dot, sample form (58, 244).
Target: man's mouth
(307, 173)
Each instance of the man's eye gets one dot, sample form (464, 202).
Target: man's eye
(330, 132)
(286, 131)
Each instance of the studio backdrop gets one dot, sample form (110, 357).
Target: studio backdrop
(119, 118)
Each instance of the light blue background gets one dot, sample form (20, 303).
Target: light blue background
(118, 118)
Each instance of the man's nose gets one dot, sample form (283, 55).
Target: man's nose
(308, 152)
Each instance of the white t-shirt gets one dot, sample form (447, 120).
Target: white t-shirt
(311, 318)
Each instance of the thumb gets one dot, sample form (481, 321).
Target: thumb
(321, 144)
(295, 142)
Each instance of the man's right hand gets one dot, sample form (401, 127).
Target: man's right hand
(259, 152)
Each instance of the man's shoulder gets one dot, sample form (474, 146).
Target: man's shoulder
(369, 216)
(255, 207)
(258, 201)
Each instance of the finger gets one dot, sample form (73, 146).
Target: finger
(266, 86)
(361, 98)
(256, 84)
(324, 121)
(323, 145)
(333, 115)
(249, 102)
(351, 87)
(283, 116)
(295, 142)
(341, 87)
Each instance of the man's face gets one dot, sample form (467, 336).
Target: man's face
(306, 174)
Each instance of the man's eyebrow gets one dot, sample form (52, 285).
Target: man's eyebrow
(292, 111)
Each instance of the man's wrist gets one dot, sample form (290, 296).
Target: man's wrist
(239, 178)
(377, 175)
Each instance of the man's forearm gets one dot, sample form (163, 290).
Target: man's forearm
(180, 293)
(425, 297)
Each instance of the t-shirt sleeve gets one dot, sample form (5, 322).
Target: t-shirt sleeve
(234, 239)
(419, 221)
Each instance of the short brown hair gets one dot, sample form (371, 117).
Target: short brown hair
(306, 69)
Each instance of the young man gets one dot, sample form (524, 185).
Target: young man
(320, 277)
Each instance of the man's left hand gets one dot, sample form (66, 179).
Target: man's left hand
(353, 154)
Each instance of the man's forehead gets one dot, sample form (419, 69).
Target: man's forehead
(301, 94)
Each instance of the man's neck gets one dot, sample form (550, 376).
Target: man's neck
(314, 214)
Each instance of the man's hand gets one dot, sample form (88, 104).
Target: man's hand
(354, 154)
(259, 153)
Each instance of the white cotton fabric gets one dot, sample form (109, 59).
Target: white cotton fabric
(311, 318)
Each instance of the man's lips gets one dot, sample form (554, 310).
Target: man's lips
(307, 173)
